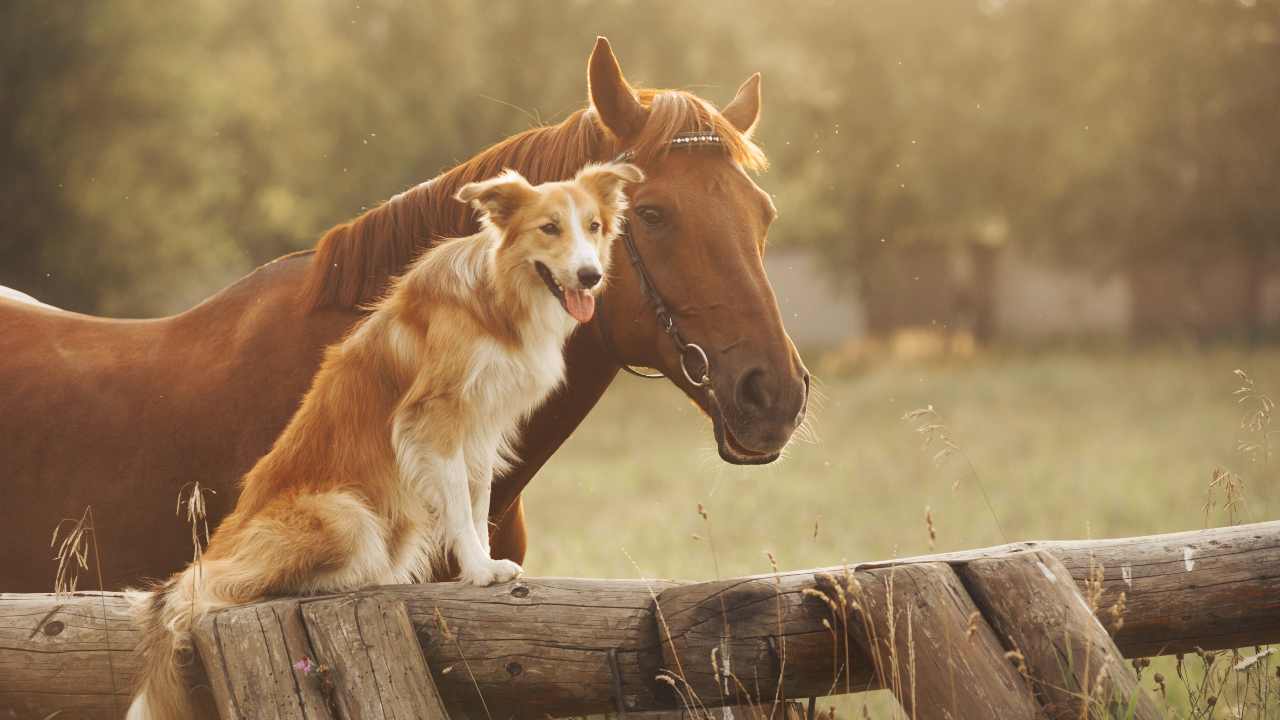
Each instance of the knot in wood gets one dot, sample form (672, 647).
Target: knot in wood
(514, 668)
(53, 628)
(520, 591)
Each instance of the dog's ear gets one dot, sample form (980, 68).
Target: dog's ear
(607, 181)
(499, 198)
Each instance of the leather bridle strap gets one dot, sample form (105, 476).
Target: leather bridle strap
(665, 319)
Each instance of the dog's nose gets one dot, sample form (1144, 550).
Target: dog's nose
(588, 277)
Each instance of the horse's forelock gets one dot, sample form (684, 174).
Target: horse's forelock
(672, 112)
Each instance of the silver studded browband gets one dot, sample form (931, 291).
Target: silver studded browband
(684, 139)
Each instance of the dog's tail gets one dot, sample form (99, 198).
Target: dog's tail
(165, 615)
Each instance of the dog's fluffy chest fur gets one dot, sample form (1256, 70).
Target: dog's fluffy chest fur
(507, 383)
(503, 386)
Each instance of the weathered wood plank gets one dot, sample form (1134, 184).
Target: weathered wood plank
(539, 646)
(375, 659)
(70, 653)
(1213, 589)
(939, 658)
(786, 710)
(735, 642)
(545, 648)
(249, 654)
(1073, 663)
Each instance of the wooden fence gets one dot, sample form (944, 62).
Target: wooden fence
(1005, 632)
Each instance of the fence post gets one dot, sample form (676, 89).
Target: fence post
(249, 654)
(1071, 660)
(370, 645)
(930, 645)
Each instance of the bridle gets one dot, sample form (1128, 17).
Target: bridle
(661, 313)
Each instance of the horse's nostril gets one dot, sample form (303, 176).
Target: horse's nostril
(588, 276)
(804, 403)
(751, 390)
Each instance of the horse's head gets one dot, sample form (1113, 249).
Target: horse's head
(698, 226)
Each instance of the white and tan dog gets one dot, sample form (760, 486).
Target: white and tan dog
(386, 467)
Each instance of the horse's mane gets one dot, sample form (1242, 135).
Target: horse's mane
(354, 261)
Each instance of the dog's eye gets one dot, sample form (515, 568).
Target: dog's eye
(594, 227)
(550, 229)
(649, 214)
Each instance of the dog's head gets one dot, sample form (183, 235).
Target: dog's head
(561, 232)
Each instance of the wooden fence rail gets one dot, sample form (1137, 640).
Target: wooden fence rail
(549, 646)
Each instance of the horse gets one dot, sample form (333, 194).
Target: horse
(122, 416)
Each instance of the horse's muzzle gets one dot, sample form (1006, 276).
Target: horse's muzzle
(760, 414)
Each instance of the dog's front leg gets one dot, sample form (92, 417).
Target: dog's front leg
(445, 479)
(467, 529)
(429, 452)
(480, 477)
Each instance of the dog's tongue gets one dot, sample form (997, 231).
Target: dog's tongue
(581, 304)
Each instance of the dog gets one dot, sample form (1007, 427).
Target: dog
(385, 470)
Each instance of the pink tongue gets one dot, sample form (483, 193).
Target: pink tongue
(581, 304)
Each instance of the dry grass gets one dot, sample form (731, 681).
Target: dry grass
(1064, 445)
(1053, 422)
(191, 497)
(73, 539)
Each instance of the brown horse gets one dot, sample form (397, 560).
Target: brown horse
(121, 414)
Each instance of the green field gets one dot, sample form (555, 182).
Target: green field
(1066, 445)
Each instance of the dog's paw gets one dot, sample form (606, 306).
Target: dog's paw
(491, 572)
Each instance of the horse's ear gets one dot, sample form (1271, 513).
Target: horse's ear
(743, 112)
(607, 181)
(613, 99)
(499, 198)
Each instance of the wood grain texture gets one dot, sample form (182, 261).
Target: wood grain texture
(539, 646)
(1071, 660)
(750, 642)
(790, 710)
(1213, 589)
(249, 654)
(941, 660)
(71, 653)
(375, 662)
(542, 646)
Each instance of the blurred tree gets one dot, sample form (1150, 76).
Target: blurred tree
(153, 153)
(1199, 220)
(39, 46)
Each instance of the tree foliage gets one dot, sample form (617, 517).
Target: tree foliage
(154, 152)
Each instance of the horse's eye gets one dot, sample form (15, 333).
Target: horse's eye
(651, 215)
(594, 227)
(550, 229)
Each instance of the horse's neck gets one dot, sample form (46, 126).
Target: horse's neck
(531, 160)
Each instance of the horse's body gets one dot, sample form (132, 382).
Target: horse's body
(121, 414)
